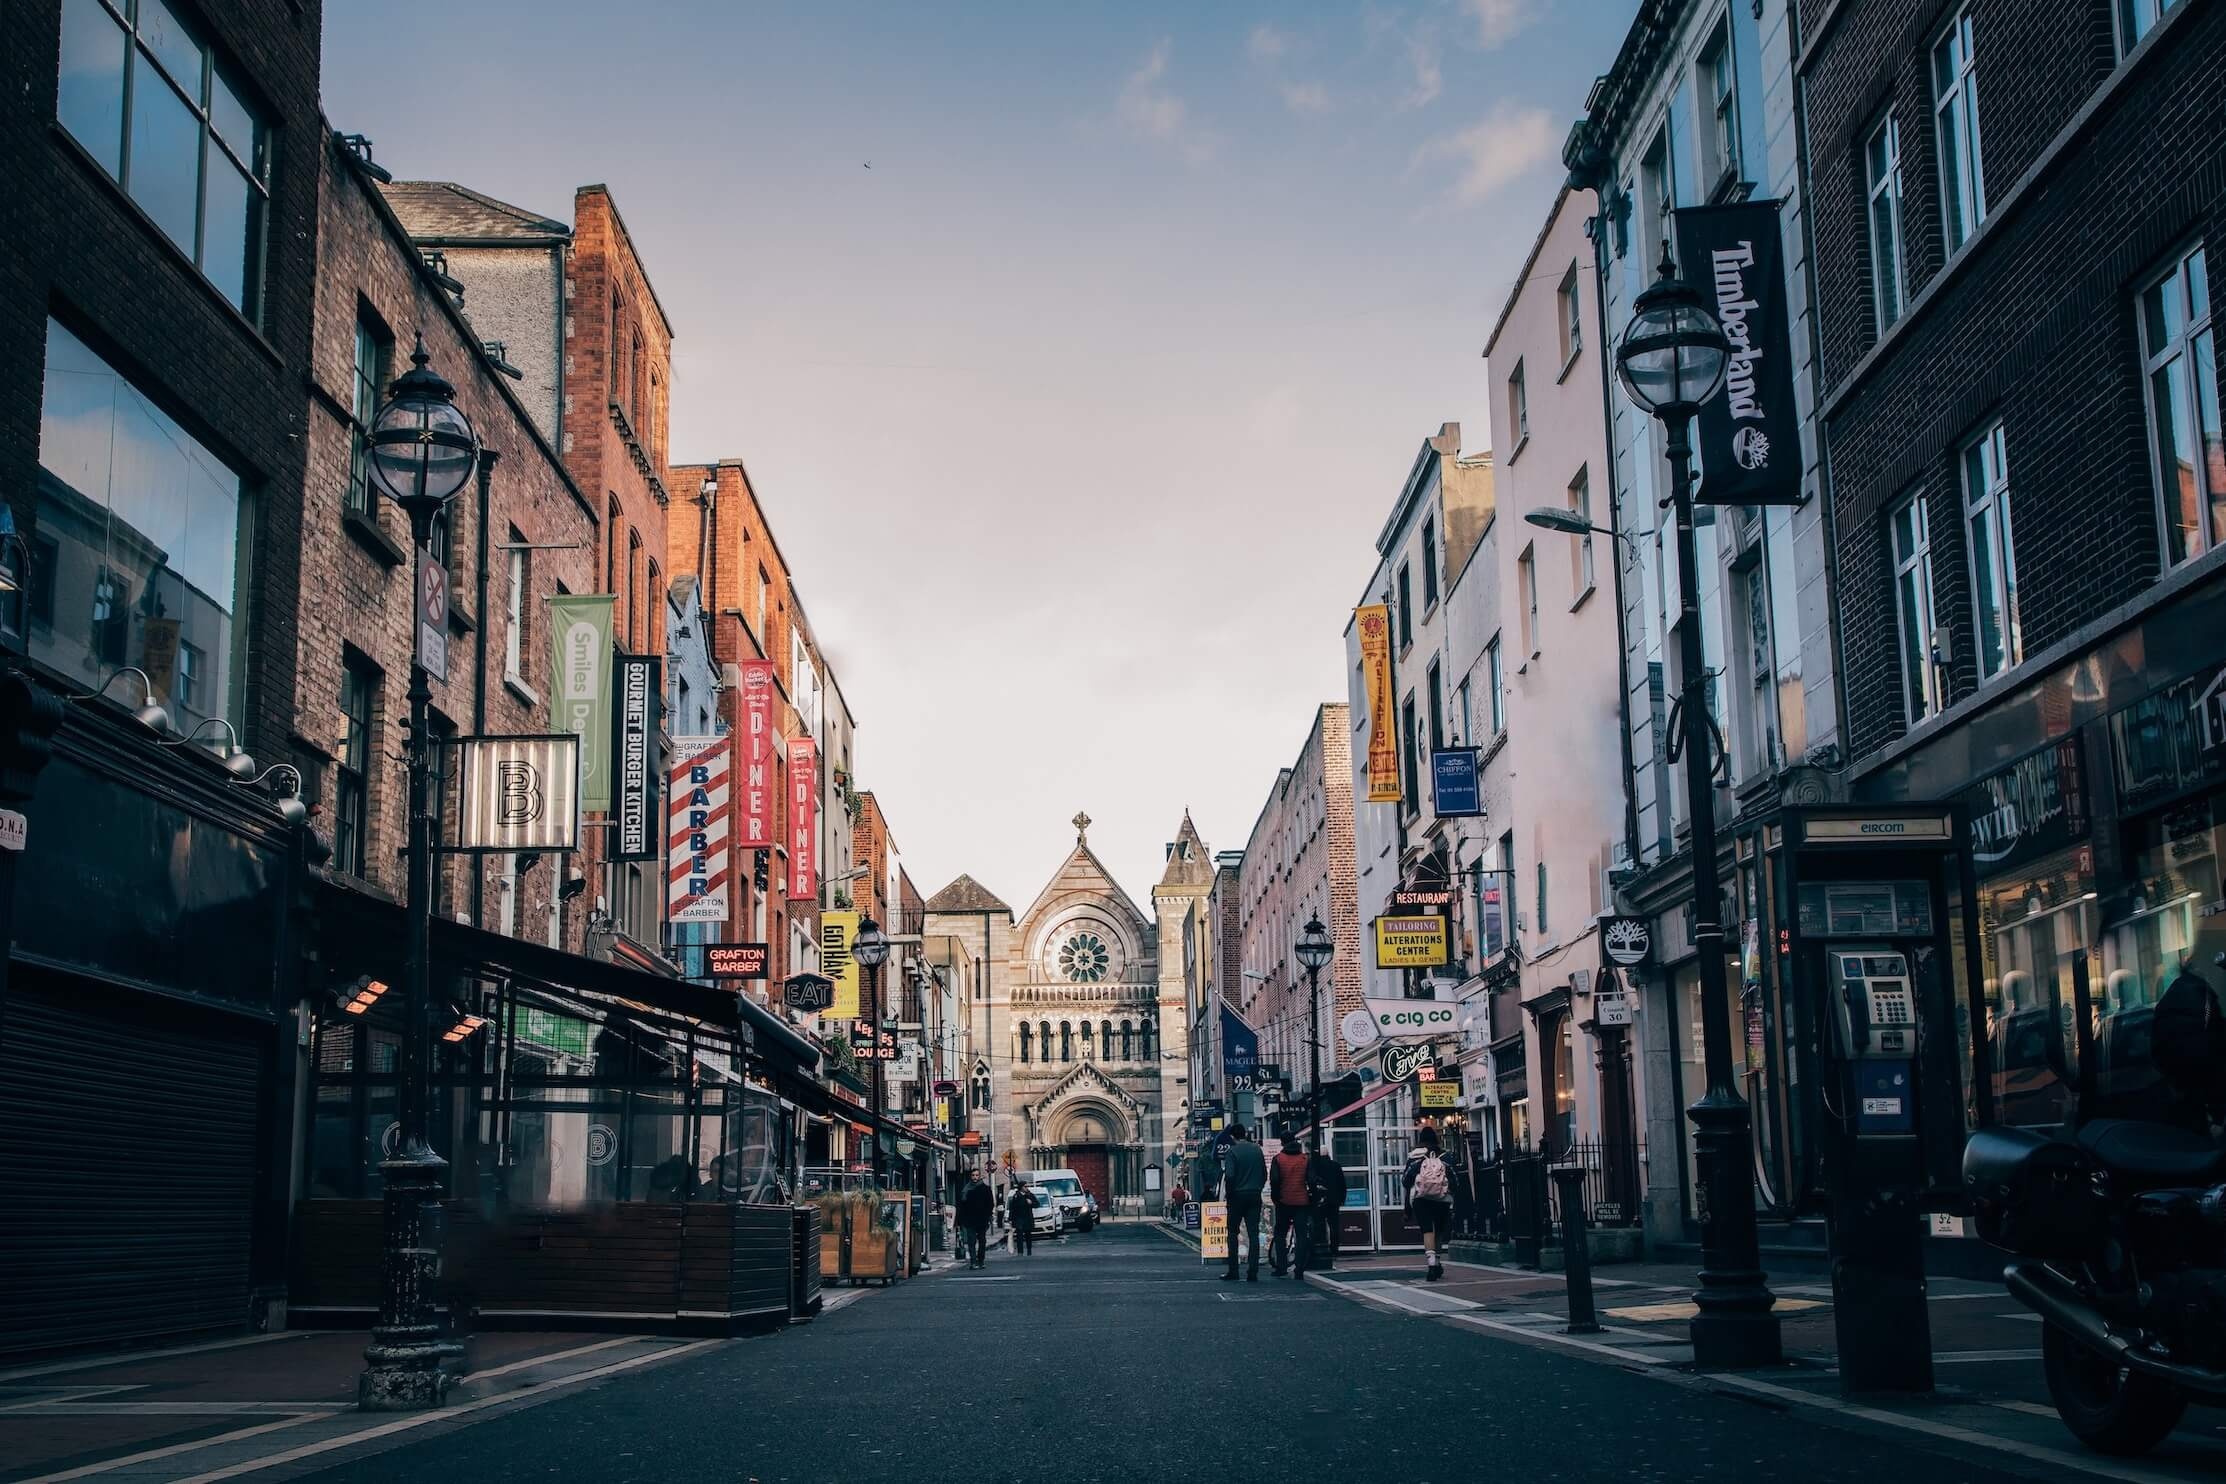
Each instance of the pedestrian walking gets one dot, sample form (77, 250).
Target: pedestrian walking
(1430, 1198)
(1020, 1215)
(1244, 1177)
(1325, 1189)
(977, 1203)
(1292, 1247)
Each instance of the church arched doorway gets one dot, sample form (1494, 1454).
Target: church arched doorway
(1086, 1145)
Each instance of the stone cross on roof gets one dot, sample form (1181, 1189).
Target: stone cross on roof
(1081, 829)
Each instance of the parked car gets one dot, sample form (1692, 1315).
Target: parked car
(1050, 1220)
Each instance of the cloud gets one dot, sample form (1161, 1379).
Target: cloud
(1494, 151)
(1152, 111)
(1266, 44)
(1497, 21)
(1429, 79)
(1305, 97)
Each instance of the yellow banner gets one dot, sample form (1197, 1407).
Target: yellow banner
(837, 931)
(1374, 622)
(1411, 942)
(1439, 1094)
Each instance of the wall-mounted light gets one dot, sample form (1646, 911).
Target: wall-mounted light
(291, 808)
(236, 761)
(150, 714)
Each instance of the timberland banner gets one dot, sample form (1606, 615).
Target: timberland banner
(1747, 436)
(580, 688)
(1374, 623)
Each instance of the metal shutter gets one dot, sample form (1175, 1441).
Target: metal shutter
(127, 1167)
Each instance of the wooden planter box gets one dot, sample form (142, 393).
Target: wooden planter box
(698, 1266)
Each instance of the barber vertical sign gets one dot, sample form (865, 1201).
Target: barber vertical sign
(634, 807)
(755, 787)
(699, 829)
(803, 820)
(1748, 435)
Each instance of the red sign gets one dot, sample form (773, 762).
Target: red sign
(734, 960)
(803, 820)
(699, 861)
(971, 1139)
(753, 814)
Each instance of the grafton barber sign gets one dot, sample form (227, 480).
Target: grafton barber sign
(1747, 435)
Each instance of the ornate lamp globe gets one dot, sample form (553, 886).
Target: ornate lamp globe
(1315, 947)
(1673, 353)
(871, 946)
(422, 447)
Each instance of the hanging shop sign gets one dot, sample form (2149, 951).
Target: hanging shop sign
(701, 859)
(634, 809)
(1411, 942)
(432, 616)
(803, 825)
(1454, 791)
(1412, 898)
(754, 785)
(1240, 1048)
(1611, 1009)
(519, 793)
(2034, 807)
(1413, 1020)
(837, 931)
(580, 687)
(735, 960)
(1747, 436)
(1438, 1095)
(1373, 623)
(1626, 941)
(1403, 1059)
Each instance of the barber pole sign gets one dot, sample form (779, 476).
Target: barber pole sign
(803, 820)
(701, 859)
(754, 789)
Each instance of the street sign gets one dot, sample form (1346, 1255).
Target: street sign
(1626, 941)
(1612, 1009)
(1453, 784)
(432, 616)
(1411, 942)
(1190, 1216)
(971, 1139)
(735, 960)
(945, 1089)
(1213, 1233)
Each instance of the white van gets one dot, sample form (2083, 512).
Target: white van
(1077, 1210)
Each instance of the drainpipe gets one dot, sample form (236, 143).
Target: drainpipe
(487, 458)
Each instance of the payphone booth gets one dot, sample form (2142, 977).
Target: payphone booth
(1886, 1035)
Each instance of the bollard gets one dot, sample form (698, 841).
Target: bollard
(1576, 1256)
(1527, 1216)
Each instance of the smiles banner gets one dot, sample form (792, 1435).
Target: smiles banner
(580, 688)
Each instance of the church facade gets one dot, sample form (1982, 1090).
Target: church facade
(1085, 1054)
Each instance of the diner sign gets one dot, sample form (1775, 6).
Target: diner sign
(754, 787)
(803, 822)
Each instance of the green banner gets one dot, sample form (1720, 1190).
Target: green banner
(580, 690)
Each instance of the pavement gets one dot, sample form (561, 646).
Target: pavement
(1111, 1355)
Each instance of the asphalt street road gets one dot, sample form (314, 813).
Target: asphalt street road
(1118, 1356)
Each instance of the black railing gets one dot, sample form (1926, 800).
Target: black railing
(1506, 1197)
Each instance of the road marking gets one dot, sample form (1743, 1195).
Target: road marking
(174, 1449)
(135, 1357)
(534, 1360)
(1982, 1357)
(1006, 1278)
(1636, 1357)
(1688, 1309)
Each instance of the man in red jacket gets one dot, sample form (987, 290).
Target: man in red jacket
(1293, 1209)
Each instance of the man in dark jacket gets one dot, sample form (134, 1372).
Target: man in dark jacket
(2188, 1034)
(976, 1204)
(1292, 1246)
(1020, 1214)
(1244, 1176)
(1325, 1184)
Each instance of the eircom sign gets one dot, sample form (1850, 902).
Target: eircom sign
(1413, 1020)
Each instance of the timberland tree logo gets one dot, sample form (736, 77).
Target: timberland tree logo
(1749, 445)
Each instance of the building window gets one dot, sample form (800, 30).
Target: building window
(514, 610)
(1986, 514)
(1912, 540)
(1518, 405)
(1144, 1041)
(1025, 1037)
(1406, 607)
(1720, 137)
(1541, 924)
(359, 690)
(981, 1088)
(2180, 355)
(1526, 591)
(1572, 316)
(138, 539)
(149, 101)
(1882, 165)
(764, 587)
(633, 566)
(1955, 92)
(1495, 681)
(374, 368)
(1128, 1041)
(1410, 796)
(192, 666)
(1437, 708)
(1461, 709)
(1580, 505)
(2137, 18)
(1429, 563)
(1043, 1039)
(1066, 1040)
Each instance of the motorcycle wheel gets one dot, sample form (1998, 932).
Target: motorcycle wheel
(2110, 1409)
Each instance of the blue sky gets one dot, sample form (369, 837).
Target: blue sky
(1076, 413)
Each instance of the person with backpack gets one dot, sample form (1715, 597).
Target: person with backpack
(1430, 1198)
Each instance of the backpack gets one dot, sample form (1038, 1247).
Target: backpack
(1430, 1181)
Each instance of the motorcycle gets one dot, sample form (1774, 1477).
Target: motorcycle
(2119, 1231)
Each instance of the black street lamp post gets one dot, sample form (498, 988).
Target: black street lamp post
(422, 450)
(871, 950)
(1671, 359)
(1315, 949)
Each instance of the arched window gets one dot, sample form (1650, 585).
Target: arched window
(1066, 1040)
(1105, 1040)
(1128, 1041)
(1086, 1040)
(1024, 1042)
(1144, 1041)
(981, 1084)
(1043, 1038)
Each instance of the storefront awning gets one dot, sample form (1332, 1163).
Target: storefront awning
(1377, 1095)
(376, 928)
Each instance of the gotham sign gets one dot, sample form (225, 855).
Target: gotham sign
(1748, 435)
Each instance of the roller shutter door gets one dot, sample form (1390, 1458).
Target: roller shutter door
(127, 1167)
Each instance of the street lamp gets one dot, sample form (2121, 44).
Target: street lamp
(423, 449)
(1672, 359)
(1315, 949)
(871, 949)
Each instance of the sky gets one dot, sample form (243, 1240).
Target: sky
(1077, 351)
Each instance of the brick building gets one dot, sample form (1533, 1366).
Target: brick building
(2015, 204)
(155, 313)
